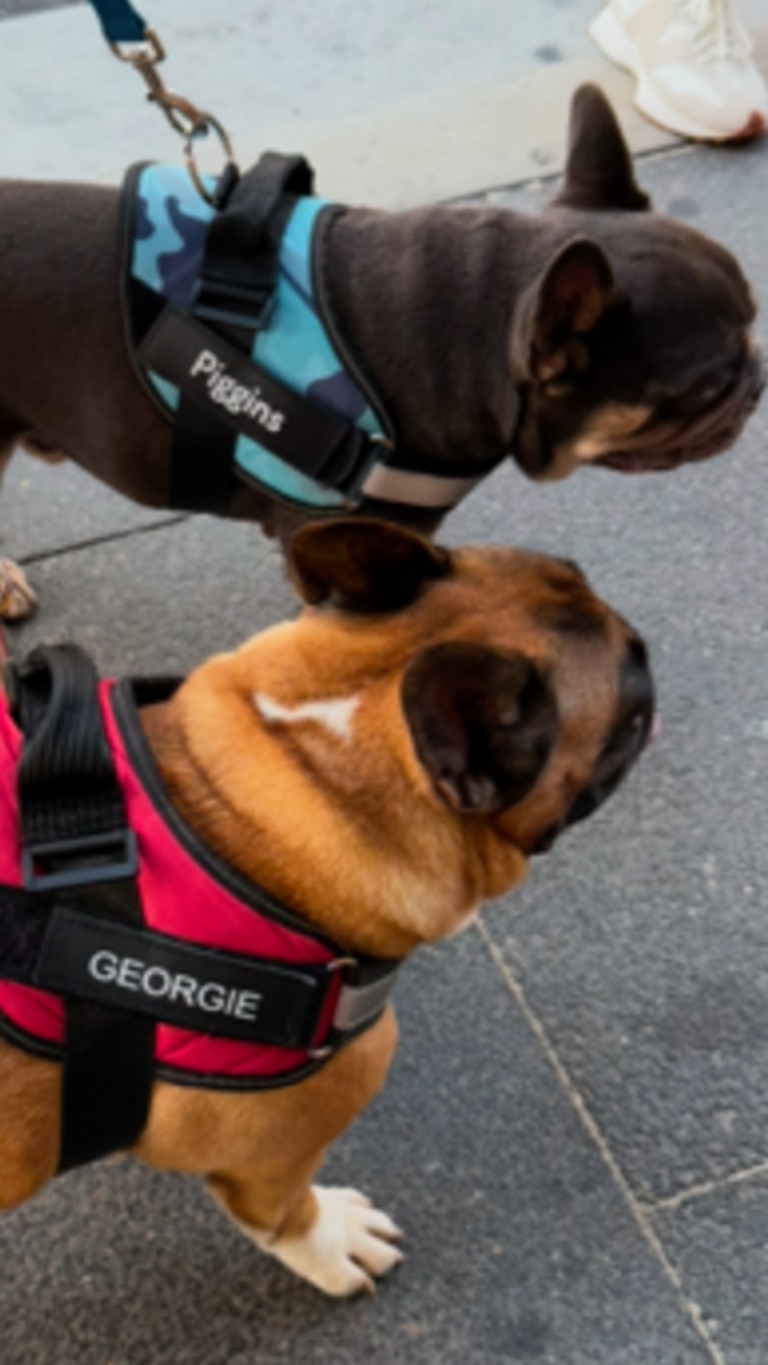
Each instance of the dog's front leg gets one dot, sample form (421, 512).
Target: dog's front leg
(334, 1238)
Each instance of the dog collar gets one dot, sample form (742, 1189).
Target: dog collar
(128, 950)
(233, 334)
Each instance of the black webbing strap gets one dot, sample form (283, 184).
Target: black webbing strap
(236, 285)
(77, 851)
(203, 480)
(68, 791)
(202, 475)
(239, 270)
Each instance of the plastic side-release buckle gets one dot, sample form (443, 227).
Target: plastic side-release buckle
(229, 303)
(86, 860)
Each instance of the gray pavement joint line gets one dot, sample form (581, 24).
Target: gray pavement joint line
(636, 1209)
(39, 555)
(704, 1187)
(532, 182)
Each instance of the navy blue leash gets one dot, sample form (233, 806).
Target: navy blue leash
(120, 21)
(122, 24)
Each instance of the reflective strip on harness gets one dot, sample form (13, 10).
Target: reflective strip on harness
(388, 484)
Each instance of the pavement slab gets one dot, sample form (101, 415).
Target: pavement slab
(718, 1244)
(161, 600)
(45, 509)
(519, 1247)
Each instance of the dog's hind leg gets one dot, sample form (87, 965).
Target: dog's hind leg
(17, 598)
(29, 1137)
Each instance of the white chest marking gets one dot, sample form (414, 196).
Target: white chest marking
(334, 715)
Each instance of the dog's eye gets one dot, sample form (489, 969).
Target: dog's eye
(562, 387)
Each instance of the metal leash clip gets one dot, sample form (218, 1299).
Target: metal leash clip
(184, 116)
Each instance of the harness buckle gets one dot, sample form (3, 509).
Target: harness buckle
(85, 860)
(325, 1050)
(230, 304)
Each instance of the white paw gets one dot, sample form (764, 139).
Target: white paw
(349, 1244)
(17, 599)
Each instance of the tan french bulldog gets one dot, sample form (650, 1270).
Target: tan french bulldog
(379, 766)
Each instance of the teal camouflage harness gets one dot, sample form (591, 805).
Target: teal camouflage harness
(234, 337)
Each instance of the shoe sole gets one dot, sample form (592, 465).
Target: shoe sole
(612, 39)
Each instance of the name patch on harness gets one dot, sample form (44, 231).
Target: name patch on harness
(224, 390)
(159, 984)
(177, 983)
(219, 377)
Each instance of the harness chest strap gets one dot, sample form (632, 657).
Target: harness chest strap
(75, 927)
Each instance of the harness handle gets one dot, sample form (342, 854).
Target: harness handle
(77, 853)
(122, 24)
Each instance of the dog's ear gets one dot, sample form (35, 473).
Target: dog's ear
(598, 172)
(573, 294)
(483, 723)
(359, 564)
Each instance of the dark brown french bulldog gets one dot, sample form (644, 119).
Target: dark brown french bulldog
(596, 332)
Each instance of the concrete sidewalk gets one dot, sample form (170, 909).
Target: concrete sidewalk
(394, 105)
(575, 1134)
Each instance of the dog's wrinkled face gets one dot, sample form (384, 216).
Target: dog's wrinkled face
(527, 699)
(633, 349)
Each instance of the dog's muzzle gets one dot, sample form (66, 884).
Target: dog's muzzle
(679, 440)
(634, 728)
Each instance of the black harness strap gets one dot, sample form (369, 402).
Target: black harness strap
(77, 851)
(239, 270)
(235, 288)
(68, 793)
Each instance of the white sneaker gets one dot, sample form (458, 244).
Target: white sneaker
(692, 60)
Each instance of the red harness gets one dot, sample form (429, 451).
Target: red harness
(189, 899)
